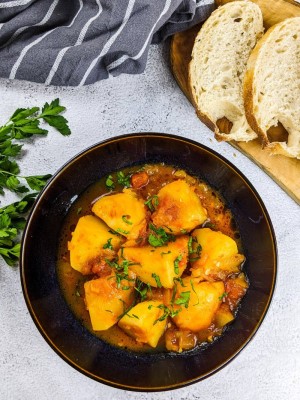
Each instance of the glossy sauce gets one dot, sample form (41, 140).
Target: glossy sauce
(71, 282)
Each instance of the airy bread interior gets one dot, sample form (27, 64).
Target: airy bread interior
(218, 65)
(272, 87)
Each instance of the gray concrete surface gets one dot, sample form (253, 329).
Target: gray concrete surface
(29, 369)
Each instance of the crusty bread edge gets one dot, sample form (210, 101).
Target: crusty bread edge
(203, 117)
(248, 94)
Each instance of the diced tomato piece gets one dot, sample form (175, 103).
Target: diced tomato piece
(139, 180)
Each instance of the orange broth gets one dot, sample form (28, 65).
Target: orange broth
(71, 281)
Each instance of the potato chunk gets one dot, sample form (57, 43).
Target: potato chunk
(203, 303)
(86, 245)
(219, 255)
(236, 288)
(159, 265)
(106, 300)
(122, 212)
(223, 316)
(179, 208)
(141, 322)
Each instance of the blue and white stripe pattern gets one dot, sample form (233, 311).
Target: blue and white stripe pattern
(79, 42)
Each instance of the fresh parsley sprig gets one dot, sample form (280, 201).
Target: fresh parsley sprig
(12, 222)
(24, 123)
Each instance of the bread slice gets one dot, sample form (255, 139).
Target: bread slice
(272, 87)
(217, 68)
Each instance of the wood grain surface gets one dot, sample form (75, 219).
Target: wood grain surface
(283, 170)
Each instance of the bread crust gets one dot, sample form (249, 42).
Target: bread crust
(248, 95)
(219, 135)
(273, 11)
(203, 117)
(248, 88)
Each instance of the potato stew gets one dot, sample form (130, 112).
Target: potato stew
(149, 258)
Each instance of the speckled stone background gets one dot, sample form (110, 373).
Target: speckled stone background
(268, 368)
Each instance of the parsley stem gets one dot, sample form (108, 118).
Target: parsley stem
(2, 171)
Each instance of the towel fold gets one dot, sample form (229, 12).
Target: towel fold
(79, 42)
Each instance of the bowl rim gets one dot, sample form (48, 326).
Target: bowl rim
(39, 198)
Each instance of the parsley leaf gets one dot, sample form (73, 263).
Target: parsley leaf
(119, 230)
(167, 312)
(50, 114)
(152, 203)
(176, 264)
(108, 244)
(110, 182)
(37, 182)
(192, 250)
(123, 179)
(126, 220)
(179, 280)
(157, 280)
(142, 289)
(183, 299)
(193, 288)
(12, 221)
(159, 236)
(223, 295)
(24, 123)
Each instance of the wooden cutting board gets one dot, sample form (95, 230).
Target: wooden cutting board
(285, 171)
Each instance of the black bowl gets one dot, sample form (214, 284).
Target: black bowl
(72, 341)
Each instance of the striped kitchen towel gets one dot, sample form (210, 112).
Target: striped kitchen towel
(79, 42)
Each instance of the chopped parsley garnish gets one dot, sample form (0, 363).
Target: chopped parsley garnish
(125, 287)
(110, 182)
(125, 265)
(114, 232)
(126, 220)
(190, 245)
(108, 245)
(223, 295)
(142, 289)
(121, 272)
(152, 203)
(173, 294)
(126, 310)
(157, 280)
(183, 299)
(122, 231)
(196, 252)
(167, 312)
(113, 264)
(176, 264)
(193, 288)
(165, 252)
(210, 225)
(180, 281)
(159, 237)
(119, 278)
(79, 209)
(123, 179)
